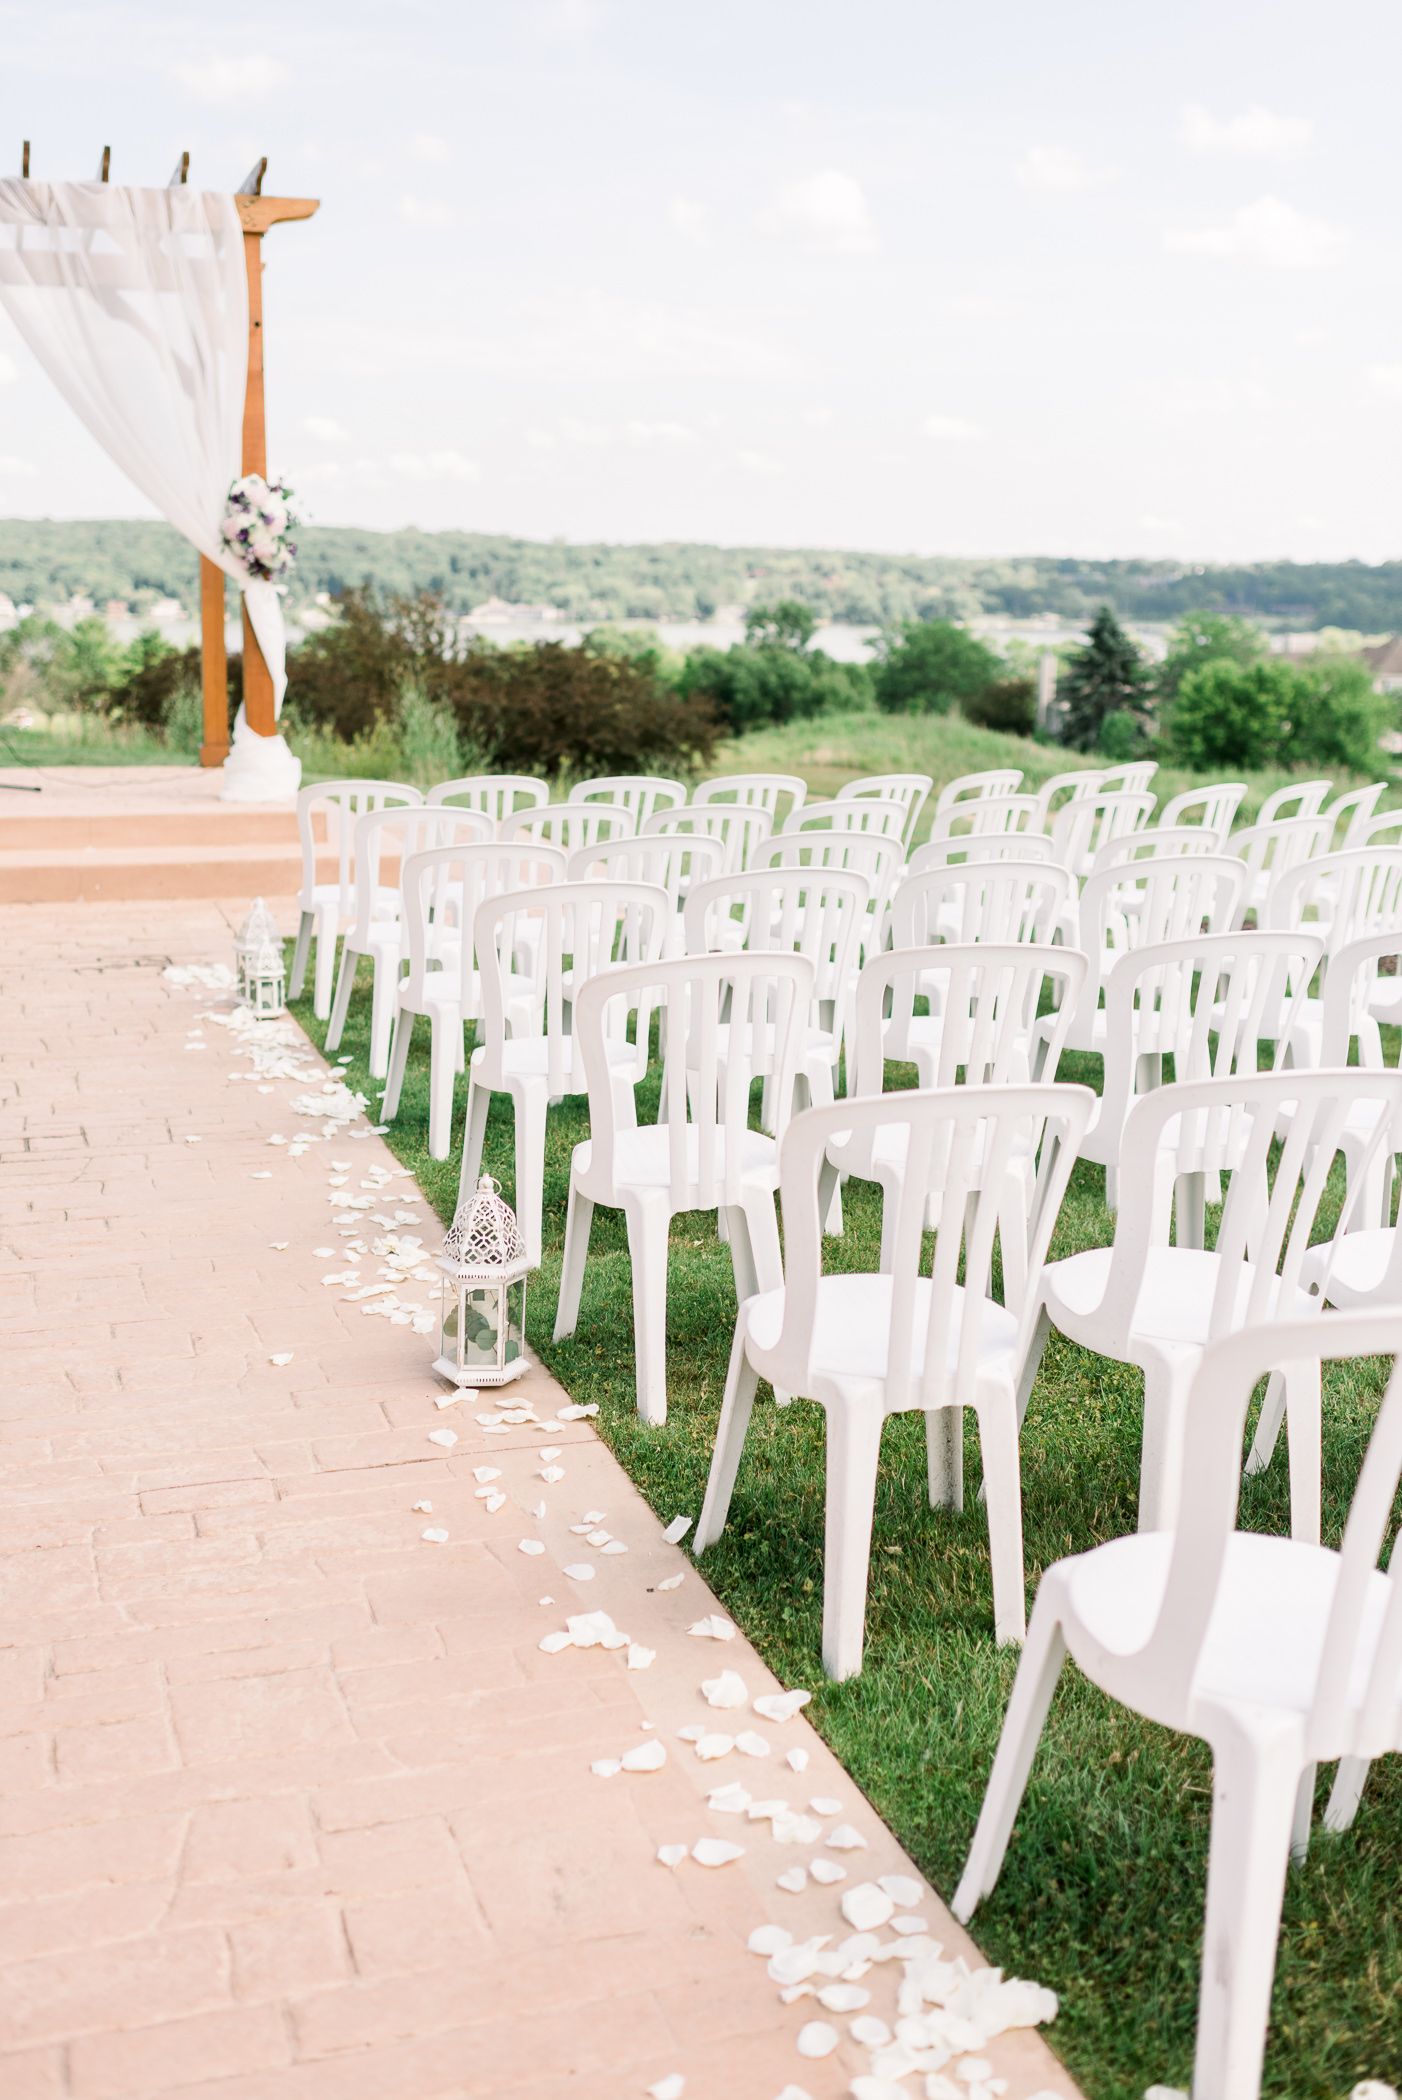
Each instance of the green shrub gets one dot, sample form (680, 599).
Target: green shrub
(753, 687)
(1231, 715)
(1338, 717)
(1121, 737)
(1106, 677)
(1202, 638)
(544, 708)
(1009, 704)
(929, 666)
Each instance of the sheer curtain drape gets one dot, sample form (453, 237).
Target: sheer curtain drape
(135, 302)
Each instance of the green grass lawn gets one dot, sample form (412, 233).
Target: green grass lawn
(1102, 1893)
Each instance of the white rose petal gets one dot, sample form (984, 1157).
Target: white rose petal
(715, 1852)
(531, 1546)
(816, 2039)
(437, 1538)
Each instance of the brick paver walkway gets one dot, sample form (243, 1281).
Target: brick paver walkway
(294, 1807)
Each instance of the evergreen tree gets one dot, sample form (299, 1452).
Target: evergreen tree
(1105, 678)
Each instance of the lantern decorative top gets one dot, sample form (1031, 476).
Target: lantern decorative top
(258, 927)
(484, 1237)
(268, 960)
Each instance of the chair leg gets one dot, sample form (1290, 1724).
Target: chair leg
(1304, 1809)
(325, 965)
(740, 1383)
(531, 1104)
(944, 1457)
(830, 1198)
(647, 1224)
(382, 1005)
(1304, 1438)
(479, 1100)
(299, 955)
(1032, 1364)
(1267, 1425)
(1255, 1787)
(853, 1452)
(1002, 1480)
(398, 1059)
(742, 1258)
(442, 1071)
(1349, 1782)
(1037, 1674)
(1166, 1384)
(345, 984)
(579, 1219)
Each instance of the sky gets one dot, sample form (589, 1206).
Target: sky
(1089, 280)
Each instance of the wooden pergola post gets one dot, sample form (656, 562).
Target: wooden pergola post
(257, 213)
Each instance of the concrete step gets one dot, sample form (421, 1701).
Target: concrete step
(59, 875)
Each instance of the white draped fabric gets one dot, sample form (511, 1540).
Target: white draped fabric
(135, 302)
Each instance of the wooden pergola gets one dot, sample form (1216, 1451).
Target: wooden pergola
(257, 214)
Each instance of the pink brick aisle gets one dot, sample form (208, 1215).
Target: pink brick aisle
(294, 1808)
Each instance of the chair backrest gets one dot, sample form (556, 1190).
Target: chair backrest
(989, 817)
(881, 860)
(570, 825)
(740, 826)
(462, 876)
(1071, 786)
(641, 793)
(1348, 985)
(706, 1100)
(989, 995)
(1208, 1002)
(873, 815)
(1156, 843)
(1384, 830)
(341, 802)
(1268, 851)
(1173, 898)
(909, 789)
(958, 1140)
(1356, 893)
(977, 787)
(499, 794)
(403, 829)
(1129, 780)
(753, 791)
(1230, 1125)
(1219, 805)
(979, 900)
(945, 853)
(599, 926)
(1355, 812)
(817, 912)
(1090, 821)
(1306, 796)
(674, 862)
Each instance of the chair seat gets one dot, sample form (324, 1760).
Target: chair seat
(852, 1323)
(642, 1158)
(528, 1057)
(1175, 1298)
(1358, 1267)
(1266, 1635)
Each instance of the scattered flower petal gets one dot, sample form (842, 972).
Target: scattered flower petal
(550, 1451)
(751, 1745)
(677, 1530)
(606, 1767)
(436, 1538)
(670, 2088)
(710, 1747)
(715, 1852)
(870, 2032)
(827, 1871)
(816, 2039)
(539, 1511)
(843, 1998)
(555, 1642)
(769, 1939)
(909, 1925)
(531, 1546)
(846, 1839)
(424, 1508)
(446, 1437)
(284, 1358)
(713, 1628)
(318, 1253)
(866, 1907)
(673, 1582)
(647, 1757)
(727, 1690)
(729, 1800)
(781, 1706)
(821, 1805)
(901, 1889)
(692, 1733)
(550, 1474)
(796, 1830)
(673, 1855)
(485, 1473)
(583, 1572)
(795, 1880)
(614, 1546)
(639, 1658)
(798, 1760)
(279, 1246)
(494, 1502)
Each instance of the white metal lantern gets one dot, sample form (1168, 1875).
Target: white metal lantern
(256, 932)
(265, 987)
(482, 1331)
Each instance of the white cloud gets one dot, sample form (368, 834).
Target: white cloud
(972, 306)
(1386, 378)
(818, 417)
(221, 79)
(1152, 524)
(579, 433)
(9, 371)
(1059, 168)
(17, 466)
(828, 212)
(414, 211)
(540, 440)
(438, 466)
(951, 430)
(689, 220)
(322, 427)
(426, 146)
(661, 434)
(1269, 232)
(760, 463)
(1256, 134)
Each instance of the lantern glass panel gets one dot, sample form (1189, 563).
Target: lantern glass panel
(515, 1320)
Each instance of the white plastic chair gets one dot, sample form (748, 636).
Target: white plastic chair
(1348, 1016)
(977, 787)
(1383, 830)
(753, 791)
(1355, 811)
(1308, 795)
(599, 925)
(1209, 1002)
(1075, 786)
(639, 793)
(446, 985)
(1351, 896)
(570, 825)
(979, 900)
(944, 853)
(992, 816)
(1145, 1302)
(326, 905)
(990, 994)
(881, 860)
(1277, 1654)
(909, 789)
(703, 1156)
(1156, 842)
(1132, 779)
(1090, 821)
(1268, 851)
(866, 1346)
(1170, 897)
(1219, 805)
(498, 794)
(377, 931)
(742, 827)
(675, 863)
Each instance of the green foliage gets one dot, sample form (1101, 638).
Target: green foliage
(749, 688)
(1009, 704)
(430, 745)
(1337, 717)
(1105, 677)
(1230, 715)
(152, 680)
(347, 677)
(545, 708)
(927, 667)
(1204, 638)
(787, 625)
(1121, 737)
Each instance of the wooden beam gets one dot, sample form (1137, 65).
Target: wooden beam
(214, 664)
(259, 704)
(257, 214)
